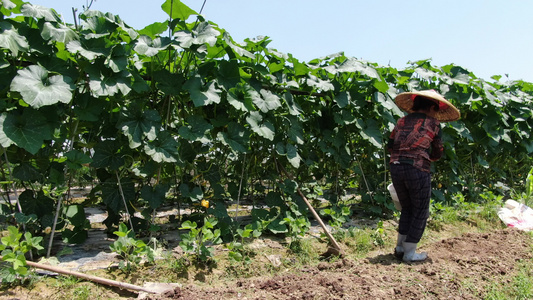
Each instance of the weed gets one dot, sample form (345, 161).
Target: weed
(379, 235)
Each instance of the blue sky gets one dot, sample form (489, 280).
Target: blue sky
(486, 37)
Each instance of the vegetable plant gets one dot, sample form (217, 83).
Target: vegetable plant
(14, 248)
(130, 250)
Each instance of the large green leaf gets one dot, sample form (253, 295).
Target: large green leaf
(370, 131)
(108, 83)
(107, 155)
(295, 131)
(242, 97)
(137, 125)
(37, 203)
(195, 193)
(236, 137)
(10, 6)
(118, 60)
(197, 129)
(267, 102)
(202, 95)
(26, 172)
(151, 47)
(177, 10)
(163, 149)
(10, 39)
(76, 158)
(291, 152)
(61, 33)
(238, 50)
(96, 24)
(169, 83)
(155, 196)
(75, 214)
(40, 12)
(111, 193)
(27, 130)
(39, 89)
(154, 29)
(204, 33)
(89, 49)
(263, 129)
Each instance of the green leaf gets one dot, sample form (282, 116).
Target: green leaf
(74, 236)
(238, 50)
(10, 6)
(108, 83)
(154, 29)
(77, 158)
(292, 153)
(204, 33)
(10, 39)
(39, 89)
(150, 47)
(295, 131)
(267, 102)
(163, 149)
(197, 129)
(40, 12)
(343, 99)
(27, 130)
(88, 108)
(321, 85)
(370, 131)
(35, 205)
(61, 33)
(242, 97)
(263, 129)
(177, 10)
(188, 225)
(75, 214)
(89, 49)
(155, 195)
(26, 172)
(118, 60)
(202, 95)
(236, 137)
(107, 155)
(169, 83)
(195, 194)
(111, 193)
(137, 124)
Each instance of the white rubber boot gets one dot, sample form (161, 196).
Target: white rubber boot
(409, 253)
(398, 251)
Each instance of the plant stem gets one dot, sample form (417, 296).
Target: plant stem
(240, 188)
(50, 243)
(124, 201)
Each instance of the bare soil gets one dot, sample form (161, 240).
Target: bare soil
(461, 267)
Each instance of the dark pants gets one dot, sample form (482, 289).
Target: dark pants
(414, 191)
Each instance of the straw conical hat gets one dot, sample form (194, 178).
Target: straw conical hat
(447, 112)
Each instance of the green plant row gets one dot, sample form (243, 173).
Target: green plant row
(178, 112)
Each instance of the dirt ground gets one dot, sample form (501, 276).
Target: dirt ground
(458, 268)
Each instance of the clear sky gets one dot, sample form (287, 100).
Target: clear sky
(486, 37)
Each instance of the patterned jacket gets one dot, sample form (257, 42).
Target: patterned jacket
(416, 140)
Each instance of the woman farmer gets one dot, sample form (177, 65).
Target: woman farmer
(414, 143)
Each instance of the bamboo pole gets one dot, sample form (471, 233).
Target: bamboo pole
(92, 278)
(336, 247)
